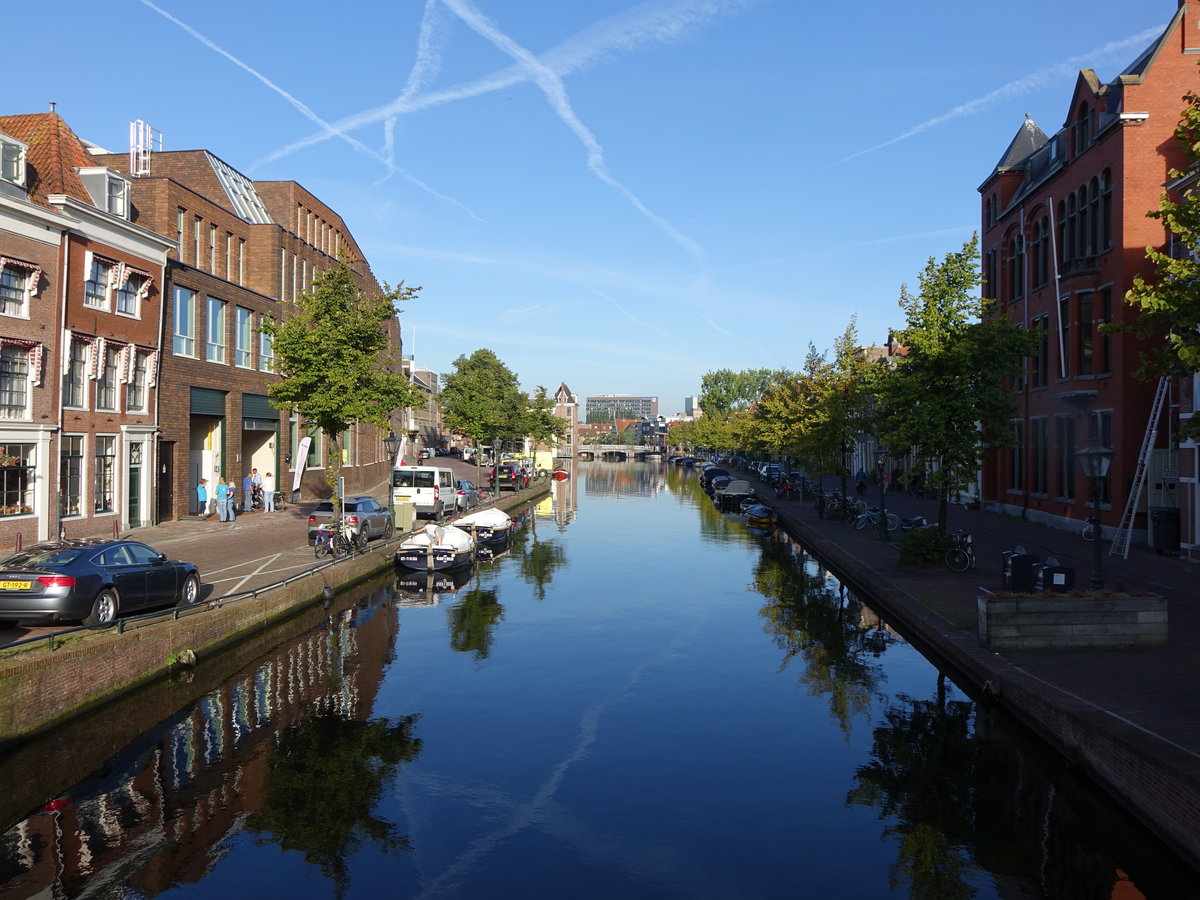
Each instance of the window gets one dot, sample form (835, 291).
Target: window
(1105, 210)
(1041, 359)
(135, 389)
(74, 390)
(70, 475)
(14, 381)
(180, 220)
(241, 261)
(1084, 333)
(215, 351)
(196, 223)
(990, 285)
(243, 339)
(12, 161)
(118, 197)
(1041, 253)
(1084, 235)
(129, 294)
(95, 289)
(1016, 267)
(14, 287)
(228, 255)
(1066, 457)
(1100, 432)
(1040, 458)
(16, 479)
(266, 351)
(1106, 339)
(183, 341)
(212, 248)
(103, 499)
(1016, 471)
(106, 384)
(1064, 323)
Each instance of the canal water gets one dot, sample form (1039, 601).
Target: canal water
(641, 698)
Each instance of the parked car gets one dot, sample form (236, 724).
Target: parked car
(91, 580)
(466, 496)
(511, 478)
(363, 514)
(430, 488)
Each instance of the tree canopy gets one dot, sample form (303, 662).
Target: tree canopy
(335, 357)
(482, 400)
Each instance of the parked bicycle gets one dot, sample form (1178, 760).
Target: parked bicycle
(961, 555)
(872, 517)
(336, 540)
(1089, 529)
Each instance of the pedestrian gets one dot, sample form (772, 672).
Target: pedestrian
(224, 501)
(247, 489)
(268, 489)
(202, 498)
(861, 478)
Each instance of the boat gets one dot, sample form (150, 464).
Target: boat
(490, 528)
(560, 474)
(759, 515)
(428, 588)
(730, 497)
(436, 547)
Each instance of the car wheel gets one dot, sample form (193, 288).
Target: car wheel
(190, 592)
(388, 530)
(104, 610)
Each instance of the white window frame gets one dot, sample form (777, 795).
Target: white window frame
(266, 349)
(21, 383)
(214, 344)
(25, 277)
(183, 340)
(97, 285)
(13, 155)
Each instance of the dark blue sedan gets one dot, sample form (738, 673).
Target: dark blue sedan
(91, 580)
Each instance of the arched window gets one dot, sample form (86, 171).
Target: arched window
(1071, 244)
(1016, 267)
(1061, 227)
(1082, 247)
(1095, 244)
(1106, 189)
(1083, 128)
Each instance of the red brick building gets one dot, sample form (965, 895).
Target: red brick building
(245, 250)
(82, 293)
(1064, 233)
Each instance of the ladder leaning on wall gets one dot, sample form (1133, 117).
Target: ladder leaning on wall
(1120, 544)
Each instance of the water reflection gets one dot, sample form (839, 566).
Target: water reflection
(254, 753)
(473, 620)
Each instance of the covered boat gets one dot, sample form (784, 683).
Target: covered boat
(730, 496)
(490, 527)
(436, 547)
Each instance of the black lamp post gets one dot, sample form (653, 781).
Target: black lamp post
(391, 446)
(1094, 461)
(881, 461)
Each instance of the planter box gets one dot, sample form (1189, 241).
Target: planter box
(1059, 620)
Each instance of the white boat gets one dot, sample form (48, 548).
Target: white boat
(437, 547)
(491, 529)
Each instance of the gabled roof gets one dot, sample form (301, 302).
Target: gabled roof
(1027, 141)
(55, 155)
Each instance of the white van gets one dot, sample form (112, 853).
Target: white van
(430, 488)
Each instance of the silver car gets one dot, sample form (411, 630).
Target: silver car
(466, 495)
(363, 514)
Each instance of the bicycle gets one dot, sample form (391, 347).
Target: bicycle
(871, 517)
(336, 540)
(961, 555)
(1089, 529)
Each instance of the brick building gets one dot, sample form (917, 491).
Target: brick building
(1064, 233)
(81, 288)
(245, 250)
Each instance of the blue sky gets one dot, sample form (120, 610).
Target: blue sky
(618, 195)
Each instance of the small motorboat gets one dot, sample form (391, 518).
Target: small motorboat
(730, 496)
(436, 547)
(490, 528)
(430, 588)
(759, 515)
(560, 474)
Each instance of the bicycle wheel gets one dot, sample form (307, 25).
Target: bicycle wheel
(341, 545)
(321, 547)
(1089, 532)
(860, 522)
(893, 521)
(957, 559)
(360, 541)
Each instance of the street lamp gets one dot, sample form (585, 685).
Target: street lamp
(391, 446)
(880, 461)
(1094, 460)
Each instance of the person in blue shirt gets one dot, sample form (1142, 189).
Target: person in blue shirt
(202, 497)
(224, 501)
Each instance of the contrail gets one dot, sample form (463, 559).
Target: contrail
(303, 109)
(1012, 89)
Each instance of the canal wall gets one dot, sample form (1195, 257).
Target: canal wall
(1155, 779)
(47, 684)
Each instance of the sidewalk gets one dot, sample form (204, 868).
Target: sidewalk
(1129, 716)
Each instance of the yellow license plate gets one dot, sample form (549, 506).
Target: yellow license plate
(14, 585)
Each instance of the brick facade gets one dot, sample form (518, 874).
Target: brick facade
(1064, 234)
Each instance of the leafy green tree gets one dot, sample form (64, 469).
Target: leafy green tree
(334, 355)
(482, 400)
(1169, 305)
(953, 382)
(599, 416)
(541, 424)
(724, 391)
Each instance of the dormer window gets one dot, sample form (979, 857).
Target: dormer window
(12, 163)
(109, 190)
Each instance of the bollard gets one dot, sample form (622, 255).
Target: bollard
(20, 540)
(116, 531)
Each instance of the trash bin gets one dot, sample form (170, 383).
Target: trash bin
(1164, 522)
(405, 514)
(1016, 572)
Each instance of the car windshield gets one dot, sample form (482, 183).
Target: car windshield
(411, 478)
(43, 556)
